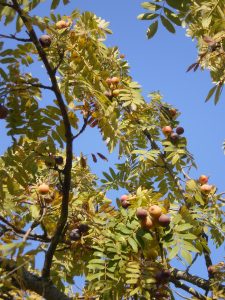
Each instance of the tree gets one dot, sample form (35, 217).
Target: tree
(53, 205)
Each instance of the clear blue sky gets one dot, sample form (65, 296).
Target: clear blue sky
(160, 64)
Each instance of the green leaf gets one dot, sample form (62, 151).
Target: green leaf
(218, 93)
(166, 23)
(150, 6)
(54, 4)
(147, 16)
(187, 256)
(183, 227)
(152, 29)
(133, 244)
(173, 252)
(190, 247)
(210, 93)
(172, 16)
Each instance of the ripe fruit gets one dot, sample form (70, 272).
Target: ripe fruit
(124, 197)
(43, 189)
(141, 213)
(45, 41)
(62, 24)
(115, 80)
(108, 81)
(174, 136)
(173, 112)
(203, 179)
(147, 223)
(122, 56)
(164, 220)
(155, 211)
(211, 269)
(167, 130)
(163, 275)
(125, 204)
(83, 228)
(75, 235)
(58, 160)
(206, 188)
(116, 93)
(180, 130)
(3, 112)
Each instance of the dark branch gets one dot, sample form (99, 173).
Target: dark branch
(13, 37)
(69, 142)
(21, 278)
(82, 128)
(188, 289)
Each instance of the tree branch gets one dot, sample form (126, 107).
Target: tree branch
(188, 289)
(23, 279)
(82, 128)
(69, 142)
(13, 37)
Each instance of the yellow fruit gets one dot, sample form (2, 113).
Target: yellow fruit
(43, 189)
(155, 211)
(62, 24)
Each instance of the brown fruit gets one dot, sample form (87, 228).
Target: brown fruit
(125, 204)
(124, 197)
(108, 81)
(115, 80)
(155, 211)
(173, 112)
(147, 223)
(163, 276)
(122, 56)
(141, 213)
(45, 41)
(62, 24)
(43, 189)
(58, 160)
(211, 269)
(174, 137)
(167, 130)
(3, 111)
(206, 188)
(180, 130)
(164, 220)
(203, 179)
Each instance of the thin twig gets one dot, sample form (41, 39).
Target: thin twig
(13, 37)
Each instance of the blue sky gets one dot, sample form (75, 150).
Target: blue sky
(160, 64)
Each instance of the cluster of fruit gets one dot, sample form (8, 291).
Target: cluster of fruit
(204, 186)
(76, 233)
(152, 217)
(45, 40)
(170, 133)
(113, 85)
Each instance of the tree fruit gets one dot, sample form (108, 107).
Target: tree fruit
(163, 275)
(203, 179)
(116, 93)
(125, 204)
(174, 136)
(206, 188)
(147, 223)
(122, 56)
(155, 211)
(108, 81)
(75, 235)
(115, 80)
(3, 111)
(173, 112)
(124, 197)
(179, 130)
(58, 160)
(164, 220)
(62, 24)
(167, 130)
(83, 228)
(211, 269)
(141, 213)
(45, 41)
(43, 189)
